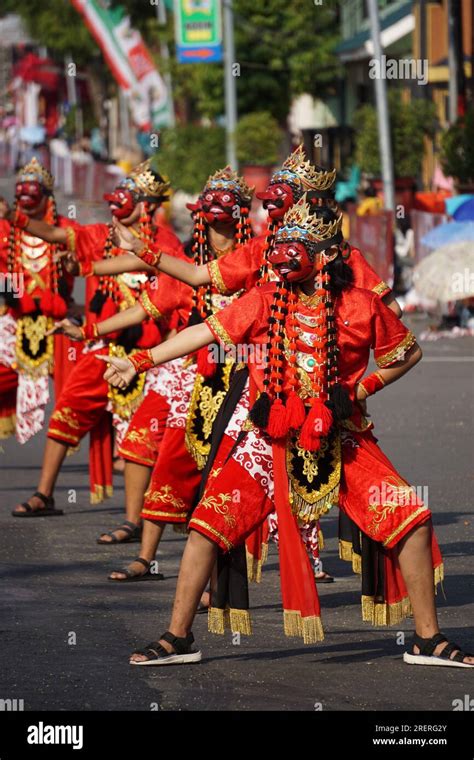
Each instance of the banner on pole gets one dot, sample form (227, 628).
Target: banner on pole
(130, 62)
(198, 31)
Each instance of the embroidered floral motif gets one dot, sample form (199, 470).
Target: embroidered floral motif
(67, 417)
(165, 495)
(220, 505)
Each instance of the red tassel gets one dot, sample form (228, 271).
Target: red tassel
(109, 309)
(295, 411)
(278, 426)
(317, 425)
(206, 366)
(150, 335)
(59, 309)
(27, 304)
(46, 303)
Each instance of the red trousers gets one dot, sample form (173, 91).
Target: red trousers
(174, 482)
(82, 401)
(146, 431)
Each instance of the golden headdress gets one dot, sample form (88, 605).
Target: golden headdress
(148, 181)
(33, 171)
(227, 179)
(310, 177)
(300, 224)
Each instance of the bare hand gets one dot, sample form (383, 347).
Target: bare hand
(66, 327)
(123, 238)
(120, 372)
(69, 261)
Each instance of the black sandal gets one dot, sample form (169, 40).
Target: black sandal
(156, 654)
(131, 578)
(426, 656)
(133, 531)
(48, 510)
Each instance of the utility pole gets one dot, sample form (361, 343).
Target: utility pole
(457, 79)
(165, 55)
(385, 145)
(230, 83)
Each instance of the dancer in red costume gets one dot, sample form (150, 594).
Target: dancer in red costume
(307, 442)
(194, 393)
(37, 290)
(239, 271)
(168, 304)
(83, 403)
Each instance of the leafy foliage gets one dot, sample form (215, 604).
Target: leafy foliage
(56, 24)
(189, 154)
(283, 48)
(258, 139)
(409, 124)
(457, 149)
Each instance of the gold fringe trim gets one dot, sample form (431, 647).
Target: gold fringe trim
(320, 539)
(309, 628)
(307, 511)
(216, 620)
(240, 621)
(200, 459)
(7, 426)
(100, 493)
(254, 565)
(381, 613)
(347, 553)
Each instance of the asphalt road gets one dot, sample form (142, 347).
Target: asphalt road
(66, 632)
(54, 589)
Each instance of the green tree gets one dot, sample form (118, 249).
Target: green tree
(283, 49)
(56, 24)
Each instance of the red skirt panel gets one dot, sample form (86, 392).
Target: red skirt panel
(174, 482)
(374, 494)
(146, 431)
(82, 402)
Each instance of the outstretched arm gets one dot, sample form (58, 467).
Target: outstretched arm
(382, 377)
(121, 371)
(181, 270)
(120, 264)
(43, 230)
(132, 316)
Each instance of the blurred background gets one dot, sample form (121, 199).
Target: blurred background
(382, 91)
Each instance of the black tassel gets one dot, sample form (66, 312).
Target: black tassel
(194, 317)
(63, 288)
(260, 412)
(340, 402)
(130, 337)
(97, 302)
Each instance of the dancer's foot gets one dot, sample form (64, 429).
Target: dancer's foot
(169, 650)
(437, 651)
(137, 570)
(127, 531)
(323, 577)
(38, 505)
